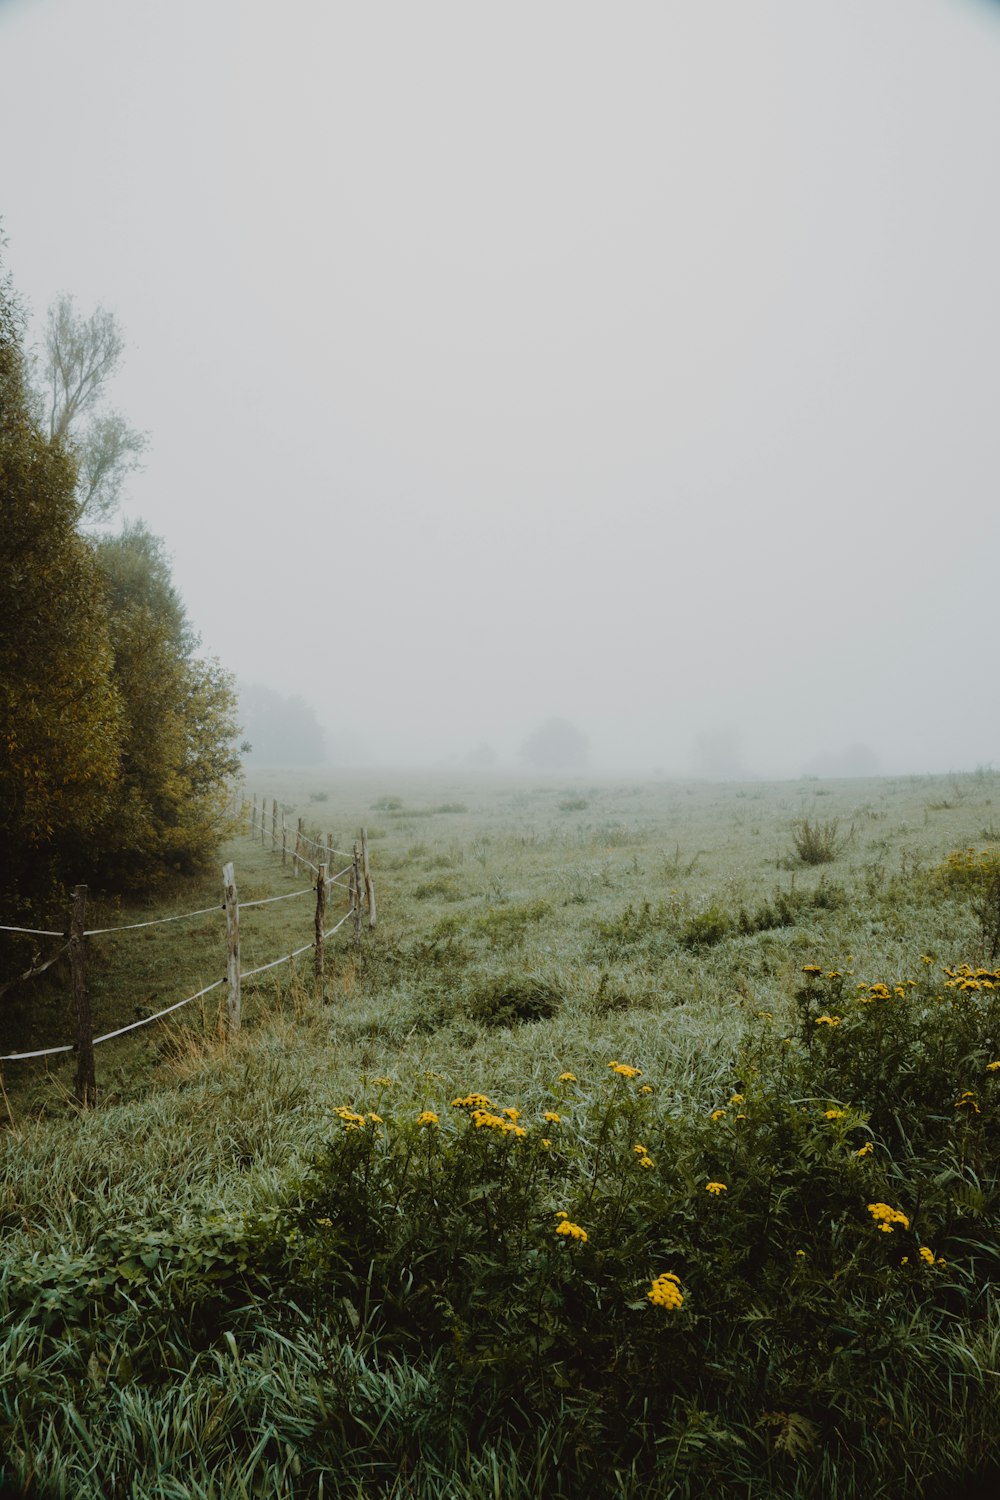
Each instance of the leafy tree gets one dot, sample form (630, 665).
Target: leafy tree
(60, 712)
(178, 717)
(80, 357)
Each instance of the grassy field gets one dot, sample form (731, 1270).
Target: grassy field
(634, 1153)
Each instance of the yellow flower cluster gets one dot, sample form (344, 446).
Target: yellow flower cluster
(624, 1071)
(552, 1117)
(717, 1114)
(352, 1121)
(992, 1067)
(827, 1020)
(642, 1152)
(834, 1114)
(866, 1149)
(567, 1077)
(716, 1188)
(568, 1229)
(886, 1217)
(812, 969)
(428, 1117)
(965, 979)
(967, 1100)
(472, 1101)
(484, 1119)
(666, 1291)
(382, 1082)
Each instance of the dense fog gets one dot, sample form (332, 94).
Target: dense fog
(628, 367)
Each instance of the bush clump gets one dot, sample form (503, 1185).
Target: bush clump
(816, 842)
(513, 1000)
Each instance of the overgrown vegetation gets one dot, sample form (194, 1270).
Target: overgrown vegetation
(550, 1198)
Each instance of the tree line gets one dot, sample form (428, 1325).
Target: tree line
(118, 738)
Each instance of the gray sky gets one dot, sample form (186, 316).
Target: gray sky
(633, 362)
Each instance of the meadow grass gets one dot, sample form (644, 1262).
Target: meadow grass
(216, 1284)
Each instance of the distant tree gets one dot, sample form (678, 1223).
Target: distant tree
(60, 713)
(556, 745)
(481, 757)
(282, 731)
(80, 357)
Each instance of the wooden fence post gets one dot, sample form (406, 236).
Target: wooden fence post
(253, 818)
(274, 824)
(263, 820)
(298, 846)
(356, 883)
(320, 924)
(369, 887)
(329, 850)
(284, 841)
(232, 950)
(86, 1082)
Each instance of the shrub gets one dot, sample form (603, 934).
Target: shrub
(707, 928)
(815, 842)
(513, 1000)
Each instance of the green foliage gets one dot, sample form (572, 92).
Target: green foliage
(706, 928)
(178, 727)
(513, 999)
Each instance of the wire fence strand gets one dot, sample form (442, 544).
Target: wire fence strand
(155, 922)
(266, 900)
(34, 931)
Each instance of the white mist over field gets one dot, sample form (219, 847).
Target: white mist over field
(632, 364)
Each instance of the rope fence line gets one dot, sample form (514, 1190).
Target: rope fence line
(153, 922)
(35, 931)
(360, 890)
(30, 973)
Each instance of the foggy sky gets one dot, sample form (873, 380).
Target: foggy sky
(635, 363)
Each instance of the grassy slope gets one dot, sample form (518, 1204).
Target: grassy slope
(516, 885)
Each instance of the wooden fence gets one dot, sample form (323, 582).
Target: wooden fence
(357, 886)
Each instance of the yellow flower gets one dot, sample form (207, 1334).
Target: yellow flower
(624, 1070)
(552, 1117)
(546, 1143)
(513, 1114)
(428, 1117)
(325, 1223)
(827, 1020)
(738, 1099)
(834, 1114)
(569, 1230)
(866, 1149)
(801, 1252)
(926, 1255)
(382, 1082)
(646, 1161)
(472, 1101)
(967, 1100)
(646, 1089)
(377, 1119)
(567, 1077)
(992, 1067)
(666, 1291)
(887, 1217)
(717, 1114)
(640, 1150)
(716, 1188)
(811, 969)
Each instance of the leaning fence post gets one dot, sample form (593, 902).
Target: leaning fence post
(86, 1082)
(356, 882)
(320, 924)
(232, 949)
(298, 846)
(274, 824)
(284, 841)
(369, 887)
